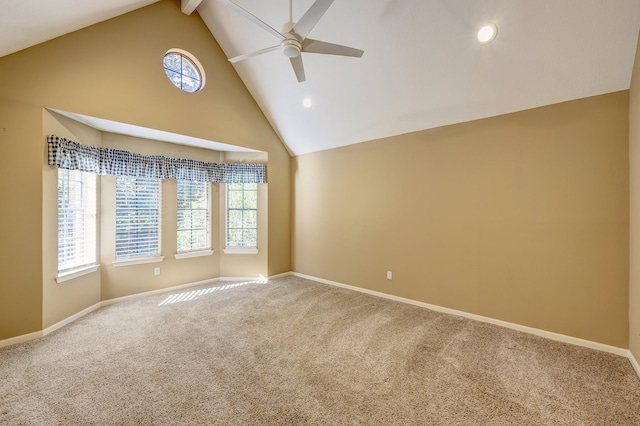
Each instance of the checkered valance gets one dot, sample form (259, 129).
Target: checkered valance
(71, 155)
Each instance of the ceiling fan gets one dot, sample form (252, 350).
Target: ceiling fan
(293, 37)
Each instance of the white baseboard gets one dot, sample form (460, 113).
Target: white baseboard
(284, 274)
(20, 339)
(158, 291)
(542, 333)
(70, 319)
(240, 279)
(38, 334)
(634, 362)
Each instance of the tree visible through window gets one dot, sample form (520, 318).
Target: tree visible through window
(242, 215)
(76, 219)
(137, 217)
(193, 216)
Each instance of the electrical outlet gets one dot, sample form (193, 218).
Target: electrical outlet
(389, 275)
(156, 271)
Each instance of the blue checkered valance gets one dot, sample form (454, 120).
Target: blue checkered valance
(71, 155)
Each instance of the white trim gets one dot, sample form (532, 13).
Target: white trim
(241, 250)
(530, 330)
(634, 363)
(198, 253)
(75, 273)
(70, 319)
(542, 333)
(38, 334)
(137, 261)
(20, 339)
(188, 6)
(282, 275)
(158, 291)
(260, 279)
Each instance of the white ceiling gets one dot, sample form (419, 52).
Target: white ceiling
(422, 66)
(25, 23)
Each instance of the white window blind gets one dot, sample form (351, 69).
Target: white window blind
(194, 228)
(242, 215)
(76, 219)
(138, 205)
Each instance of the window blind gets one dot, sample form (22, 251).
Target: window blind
(76, 219)
(138, 207)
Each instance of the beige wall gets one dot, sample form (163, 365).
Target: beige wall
(118, 281)
(61, 300)
(20, 218)
(113, 70)
(634, 178)
(522, 217)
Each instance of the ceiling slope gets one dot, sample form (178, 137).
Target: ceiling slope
(422, 67)
(25, 23)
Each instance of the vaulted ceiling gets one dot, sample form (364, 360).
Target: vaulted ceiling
(422, 67)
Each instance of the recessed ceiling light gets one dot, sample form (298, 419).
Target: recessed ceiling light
(487, 33)
(307, 102)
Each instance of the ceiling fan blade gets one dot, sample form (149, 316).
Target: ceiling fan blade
(298, 68)
(311, 17)
(310, 45)
(252, 54)
(253, 18)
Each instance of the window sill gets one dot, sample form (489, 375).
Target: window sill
(137, 261)
(241, 250)
(75, 273)
(188, 254)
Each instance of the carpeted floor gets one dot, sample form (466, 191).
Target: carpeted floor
(296, 352)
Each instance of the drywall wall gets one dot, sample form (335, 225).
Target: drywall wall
(521, 217)
(634, 233)
(113, 70)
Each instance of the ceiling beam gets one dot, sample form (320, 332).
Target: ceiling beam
(188, 6)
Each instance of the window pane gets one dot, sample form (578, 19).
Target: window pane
(235, 219)
(251, 200)
(183, 72)
(173, 62)
(199, 219)
(242, 203)
(234, 237)
(193, 216)
(235, 200)
(189, 84)
(249, 219)
(175, 77)
(189, 69)
(249, 237)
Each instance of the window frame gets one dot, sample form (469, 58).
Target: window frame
(194, 64)
(240, 249)
(198, 251)
(84, 204)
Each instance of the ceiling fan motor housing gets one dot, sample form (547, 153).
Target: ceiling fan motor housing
(290, 46)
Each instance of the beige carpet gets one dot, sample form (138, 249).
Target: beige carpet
(296, 352)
